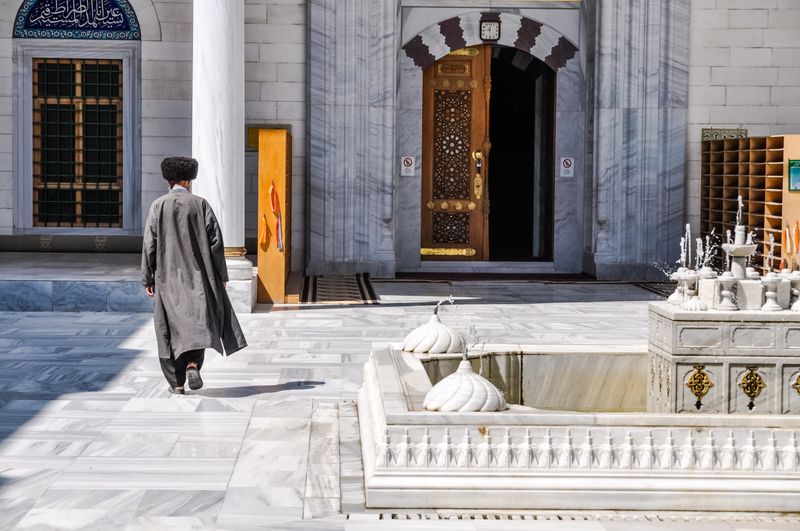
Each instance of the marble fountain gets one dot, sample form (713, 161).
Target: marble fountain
(706, 418)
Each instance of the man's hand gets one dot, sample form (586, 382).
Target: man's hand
(150, 290)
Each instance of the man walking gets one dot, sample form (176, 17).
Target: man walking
(183, 269)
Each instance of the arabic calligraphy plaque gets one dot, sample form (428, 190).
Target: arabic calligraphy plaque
(77, 19)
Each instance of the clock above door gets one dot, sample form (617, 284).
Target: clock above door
(490, 30)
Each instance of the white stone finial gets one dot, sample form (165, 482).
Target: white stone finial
(464, 391)
(434, 338)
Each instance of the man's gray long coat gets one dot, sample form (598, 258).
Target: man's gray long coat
(183, 256)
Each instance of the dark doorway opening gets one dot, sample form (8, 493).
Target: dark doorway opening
(521, 132)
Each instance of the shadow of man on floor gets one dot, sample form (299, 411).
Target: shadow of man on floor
(252, 390)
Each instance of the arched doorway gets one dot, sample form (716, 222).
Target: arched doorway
(488, 148)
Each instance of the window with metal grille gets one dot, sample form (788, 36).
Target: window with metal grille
(77, 142)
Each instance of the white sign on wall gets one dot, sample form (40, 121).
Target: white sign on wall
(567, 167)
(408, 166)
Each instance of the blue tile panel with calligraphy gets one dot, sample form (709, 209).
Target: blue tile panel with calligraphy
(77, 19)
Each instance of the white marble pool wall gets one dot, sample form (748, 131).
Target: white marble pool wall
(562, 18)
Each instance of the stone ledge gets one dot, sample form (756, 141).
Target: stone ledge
(73, 296)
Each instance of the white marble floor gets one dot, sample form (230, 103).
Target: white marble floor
(90, 438)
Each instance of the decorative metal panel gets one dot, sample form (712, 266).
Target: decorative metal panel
(723, 134)
(450, 228)
(452, 111)
(77, 142)
(77, 19)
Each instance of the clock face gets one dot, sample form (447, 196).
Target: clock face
(490, 30)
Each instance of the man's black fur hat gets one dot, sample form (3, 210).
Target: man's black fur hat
(179, 168)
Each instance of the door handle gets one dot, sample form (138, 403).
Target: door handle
(477, 183)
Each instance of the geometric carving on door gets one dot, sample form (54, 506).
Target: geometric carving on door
(451, 141)
(450, 228)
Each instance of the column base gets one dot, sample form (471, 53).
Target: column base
(242, 284)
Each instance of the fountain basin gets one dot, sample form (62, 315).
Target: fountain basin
(527, 458)
(555, 377)
(726, 345)
(739, 250)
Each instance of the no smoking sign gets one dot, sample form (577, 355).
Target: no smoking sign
(567, 167)
(407, 166)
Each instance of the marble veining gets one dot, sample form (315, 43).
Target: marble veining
(640, 127)
(351, 143)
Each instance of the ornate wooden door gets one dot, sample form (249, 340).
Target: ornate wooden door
(455, 146)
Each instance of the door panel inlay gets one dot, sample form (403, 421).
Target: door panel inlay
(452, 120)
(450, 228)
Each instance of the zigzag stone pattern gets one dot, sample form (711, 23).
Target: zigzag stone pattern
(540, 40)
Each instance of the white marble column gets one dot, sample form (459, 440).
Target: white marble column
(218, 130)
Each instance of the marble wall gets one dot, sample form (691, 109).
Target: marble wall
(640, 101)
(352, 55)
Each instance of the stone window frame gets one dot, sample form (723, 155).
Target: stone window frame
(130, 54)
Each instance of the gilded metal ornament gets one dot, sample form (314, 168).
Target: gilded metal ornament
(431, 205)
(796, 384)
(435, 251)
(477, 186)
(458, 206)
(752, 384)
(471, 205)
(235, 252)
(444, 205)
(470, 52)
(699, 384)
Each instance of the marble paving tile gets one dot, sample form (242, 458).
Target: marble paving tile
(26, 296)
(147, 473)
(82, 509)
(128, 297)
(205, 449)
(255, 506)
(71, 296)
(19, 482)
(129, 445)
(78, 519)
(13, 509)
(320, 507)
(192, 508)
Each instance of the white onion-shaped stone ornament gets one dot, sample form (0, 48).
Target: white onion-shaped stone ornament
(434, 338)
(464, 391)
